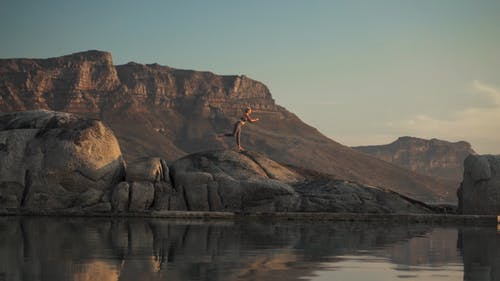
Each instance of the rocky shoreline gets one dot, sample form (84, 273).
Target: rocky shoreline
(54, 163)
(63, 163)
(441, 219)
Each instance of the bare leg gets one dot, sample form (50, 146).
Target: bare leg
(238, 140)
(236, 133)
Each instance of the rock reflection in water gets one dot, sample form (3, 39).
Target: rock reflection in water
(481, 253)
(154, 249)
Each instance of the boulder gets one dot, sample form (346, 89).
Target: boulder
(120, 197)
(330, 195)
(479, 192)
(268, 195)
(13, 178)
(142, 195)
(101, 207)
(164, 195)
(231, 181)
(478, 168)
(53, 160)
(151, 169)
(251, 182)
(273, 169)
(11, 194)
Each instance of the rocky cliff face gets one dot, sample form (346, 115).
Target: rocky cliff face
(160, 111)
(74, 83)
(436, 158)
(479, 192)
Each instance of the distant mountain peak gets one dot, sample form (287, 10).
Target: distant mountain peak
(434, 157)
(406, 139)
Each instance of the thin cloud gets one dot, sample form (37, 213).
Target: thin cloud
(493, 92)
(478, 125)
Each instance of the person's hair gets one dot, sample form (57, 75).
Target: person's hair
(248, 109)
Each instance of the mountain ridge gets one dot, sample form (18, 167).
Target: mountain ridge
(157, 110)
(431, 157)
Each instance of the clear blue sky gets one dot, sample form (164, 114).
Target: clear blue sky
(362, 72)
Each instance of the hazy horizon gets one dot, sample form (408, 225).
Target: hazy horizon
(362, 73)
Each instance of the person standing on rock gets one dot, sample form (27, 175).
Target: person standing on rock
(237, 127)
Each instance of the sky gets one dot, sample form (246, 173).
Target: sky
(362, 72)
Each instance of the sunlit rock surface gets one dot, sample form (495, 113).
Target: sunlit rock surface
(52, 160)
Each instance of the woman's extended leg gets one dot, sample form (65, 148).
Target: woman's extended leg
(236, 133)
(236, 128)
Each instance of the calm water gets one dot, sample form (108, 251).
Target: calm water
(154, 249)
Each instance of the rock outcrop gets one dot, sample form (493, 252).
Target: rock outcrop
(247, 182)
(159, 111)
(479, 192)
(51, 160)
(69, 83)
(152, 169)
(250, 182)
(60, 162)
(231, 181)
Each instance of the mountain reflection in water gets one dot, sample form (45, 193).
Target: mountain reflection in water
(155, 249)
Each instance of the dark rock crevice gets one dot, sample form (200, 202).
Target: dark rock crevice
(185, 197)
(27, 187)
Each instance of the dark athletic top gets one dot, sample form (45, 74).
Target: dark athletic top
(245, 118)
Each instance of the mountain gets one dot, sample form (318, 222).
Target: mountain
(157, 110)
(436, 158)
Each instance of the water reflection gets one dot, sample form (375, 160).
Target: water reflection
(481, 253)
(153, 249)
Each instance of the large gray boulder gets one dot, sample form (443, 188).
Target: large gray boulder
(149, 180)
(330, 195)
(479, 192)
(251, 182)
(152, 169)
(230, 181)
(52, 160)
(141, 196)
(120, 197)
